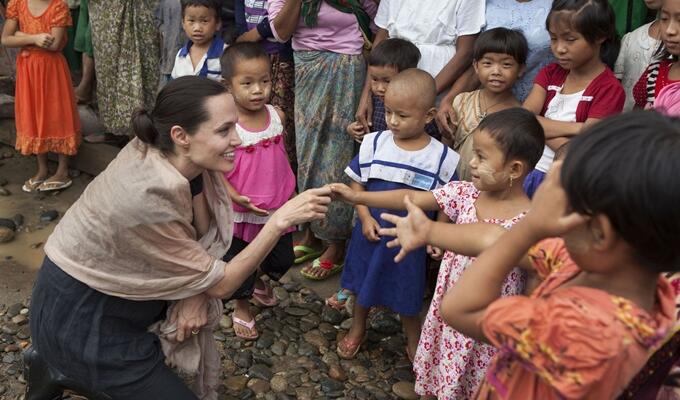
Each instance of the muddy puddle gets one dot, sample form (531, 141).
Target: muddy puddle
(20, 259)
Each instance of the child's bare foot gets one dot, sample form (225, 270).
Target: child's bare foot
(244, 322)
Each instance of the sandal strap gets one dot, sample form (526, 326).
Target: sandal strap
(249, 324)
(326, 264)
(264, 292)
(341, 295)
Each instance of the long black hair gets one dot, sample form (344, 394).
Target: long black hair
(594, 20)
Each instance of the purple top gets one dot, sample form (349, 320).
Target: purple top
(336, 31)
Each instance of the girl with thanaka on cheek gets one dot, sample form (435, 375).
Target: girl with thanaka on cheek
(507, 144)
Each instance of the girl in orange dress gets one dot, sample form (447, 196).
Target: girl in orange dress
(45, 112)
(603, 305)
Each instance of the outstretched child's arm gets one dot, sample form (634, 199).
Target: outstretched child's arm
(464, 305)
(416, 230)
(392, 199)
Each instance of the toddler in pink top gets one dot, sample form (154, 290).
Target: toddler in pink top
(262, 179)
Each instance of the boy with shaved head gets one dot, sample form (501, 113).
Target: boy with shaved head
(403, 157)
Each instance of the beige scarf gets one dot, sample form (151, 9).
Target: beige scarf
(130, 235)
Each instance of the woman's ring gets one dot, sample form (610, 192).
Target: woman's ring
(194, 332)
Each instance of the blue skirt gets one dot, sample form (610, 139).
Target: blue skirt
(371, 273)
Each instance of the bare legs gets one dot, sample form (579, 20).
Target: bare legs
(60, 175)
(84, 89)
(349, 345)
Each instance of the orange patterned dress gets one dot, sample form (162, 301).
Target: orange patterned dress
(569, 342)
(45, 109)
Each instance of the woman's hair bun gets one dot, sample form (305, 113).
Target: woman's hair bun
(142, 125)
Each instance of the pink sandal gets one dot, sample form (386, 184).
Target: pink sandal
(348, 350)
(264, 297)
(250, 325)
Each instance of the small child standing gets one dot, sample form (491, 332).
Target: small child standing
(45, 108)
(498, 58)
(387, 59)
(579, 89)
(637, 50)
(665, 69)
(201, 55)
(601, 244)
(507, 145)
(252, 25)
(262, 180)
(403, 157)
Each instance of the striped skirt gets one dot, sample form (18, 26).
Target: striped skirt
(327, 91)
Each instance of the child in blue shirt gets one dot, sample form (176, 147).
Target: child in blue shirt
(201, 55)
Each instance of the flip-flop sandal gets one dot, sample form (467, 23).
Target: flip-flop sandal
(309, 253)
(31, 186)
(54, 185)
(338, 300)
(326, 265)
(348, 351)
(248, 325)
(264, 297)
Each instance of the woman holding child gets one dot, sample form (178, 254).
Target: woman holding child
(328, 39)
(136, 249)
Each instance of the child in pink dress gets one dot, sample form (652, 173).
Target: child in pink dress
(261, 180)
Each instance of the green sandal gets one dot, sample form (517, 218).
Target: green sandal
(325, 264)
(309, 253)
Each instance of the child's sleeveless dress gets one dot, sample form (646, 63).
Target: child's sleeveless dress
(370, 271)
(448, 364)
(262, 173)
(45, 108)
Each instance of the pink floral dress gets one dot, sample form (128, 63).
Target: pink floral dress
(448, 364)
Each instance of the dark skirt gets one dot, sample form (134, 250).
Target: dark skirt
(371, 273)
(532, 182)
(91, 337)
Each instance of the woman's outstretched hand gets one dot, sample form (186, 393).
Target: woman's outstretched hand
(343, 192)
(310, 205)
(410, 231)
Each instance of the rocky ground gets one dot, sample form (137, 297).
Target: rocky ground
(293, 358)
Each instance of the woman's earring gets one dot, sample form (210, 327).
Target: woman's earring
(511, 181)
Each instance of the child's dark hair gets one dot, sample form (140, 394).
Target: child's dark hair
(395, 52)
(181, 102)
(626, 167)
(214, 5)
(593, 19)
(504, 41)
(240, 51)
(517, 132)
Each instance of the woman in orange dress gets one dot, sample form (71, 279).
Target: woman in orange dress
(45, 111)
